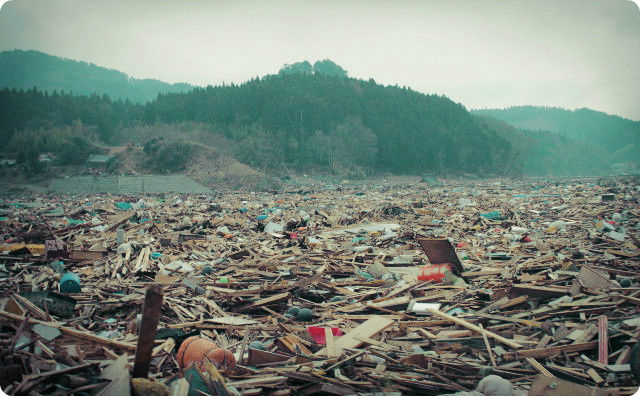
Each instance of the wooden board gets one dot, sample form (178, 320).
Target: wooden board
(368, 329)
(264, 301)
(552, 351)
(475, 328)
(548, 386)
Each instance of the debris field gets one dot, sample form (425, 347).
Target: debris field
(354, 289)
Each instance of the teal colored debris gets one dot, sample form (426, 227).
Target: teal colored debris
(495, 215)
(455, 311)
(257, 345)
(365, 275)
(305, 315)
(197, 385)
(124, 205)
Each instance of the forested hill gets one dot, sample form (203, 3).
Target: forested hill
(28, 69)
(294, 121)
(306, 115)
(619, 137)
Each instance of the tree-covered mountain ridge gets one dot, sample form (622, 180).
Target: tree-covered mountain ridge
(294, 120)
(27, 69)
(305, 117)
(618, 136)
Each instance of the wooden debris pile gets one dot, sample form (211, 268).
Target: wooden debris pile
(316, 292)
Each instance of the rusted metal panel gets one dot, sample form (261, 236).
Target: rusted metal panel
(440, 251)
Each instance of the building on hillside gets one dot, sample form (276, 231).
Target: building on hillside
(45, 158)
(99, 160)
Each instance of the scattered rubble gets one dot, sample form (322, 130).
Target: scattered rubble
(522, 287)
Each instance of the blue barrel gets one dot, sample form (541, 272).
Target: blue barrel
(70, 283)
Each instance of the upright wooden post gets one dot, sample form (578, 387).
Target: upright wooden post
(151, 312)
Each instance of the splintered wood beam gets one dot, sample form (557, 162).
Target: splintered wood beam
(475, 328)
(150, 316)
(264, 301)
(551, 351)
(603, 340)
(539, 368)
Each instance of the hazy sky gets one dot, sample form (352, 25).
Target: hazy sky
(482, 53)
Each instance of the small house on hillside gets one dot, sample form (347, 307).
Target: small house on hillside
(99, 160)
(100, 163)
(45, 158)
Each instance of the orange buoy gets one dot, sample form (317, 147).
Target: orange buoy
(196, 349)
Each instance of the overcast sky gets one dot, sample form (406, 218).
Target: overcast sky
(482, 53)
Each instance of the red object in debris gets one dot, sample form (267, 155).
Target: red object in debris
(194, 350)
(461, 244)
(317, 333)
(293, 235)
(433, 272)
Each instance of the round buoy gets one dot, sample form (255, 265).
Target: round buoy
(207, 270)
(305, 315)
(293, 311)
(194, 350)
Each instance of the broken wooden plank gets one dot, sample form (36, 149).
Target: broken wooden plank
(475, 328)
(368, 329)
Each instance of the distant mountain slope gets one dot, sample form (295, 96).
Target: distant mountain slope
(544, 153)
(618, 136)
(294, 121)
(28, 69)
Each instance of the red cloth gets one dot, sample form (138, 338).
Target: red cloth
(318, 333)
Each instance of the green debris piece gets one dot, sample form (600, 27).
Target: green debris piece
(305, 315)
